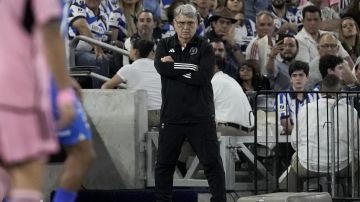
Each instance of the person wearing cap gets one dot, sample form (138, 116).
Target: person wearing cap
(185, 63)
(222, 24)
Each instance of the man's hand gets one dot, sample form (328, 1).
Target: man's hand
(167, 59)
(99, 53)
(276, 49)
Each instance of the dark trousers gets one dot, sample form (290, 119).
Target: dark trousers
(202, 137)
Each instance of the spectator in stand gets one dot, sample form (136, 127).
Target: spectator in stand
(130, 9)
(232, 108)
(141, 74)
(330, 19)
(86, 18)
(260, 46)
(328, 45)
(203, 7)
(117, 26)
(249, 78)
(222, 23)
(235, 6)
(244, 27)
(107, 6)
(349, 37)
(253, 7)
(331, 64)
(354, 11)
(145, 25)
(219, 49)
(309, 36)
(311, 140)
(214, 4)
(289, 104)
(281, 55)
(287, 18)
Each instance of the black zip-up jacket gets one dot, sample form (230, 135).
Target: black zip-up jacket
(187, 95)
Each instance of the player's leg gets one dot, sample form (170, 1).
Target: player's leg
(80, 154)
(4, 183)
(26, 180)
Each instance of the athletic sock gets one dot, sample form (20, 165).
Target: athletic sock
(63, 195)
(25, 195)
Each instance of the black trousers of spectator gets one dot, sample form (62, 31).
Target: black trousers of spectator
(202, 137)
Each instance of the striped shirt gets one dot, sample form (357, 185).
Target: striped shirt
(288, 105)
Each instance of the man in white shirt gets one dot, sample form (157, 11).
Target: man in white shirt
(328, 45)
(330, 18)
(309, 36)
(260, 46)
(141, 74)
(232, 108)
(311, 137)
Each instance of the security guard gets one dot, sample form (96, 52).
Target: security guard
(186, 65)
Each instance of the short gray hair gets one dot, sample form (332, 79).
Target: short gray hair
(187, 10)
(264, 12)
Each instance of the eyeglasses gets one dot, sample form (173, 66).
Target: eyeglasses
(183, 23)
(332, 46)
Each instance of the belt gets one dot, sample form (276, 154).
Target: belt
(235, 125)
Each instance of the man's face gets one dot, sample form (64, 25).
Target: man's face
(203, 3)
(338, 71)
(264, 25)
(222, 26)
(278, 3)
(145, 24)
(328, 46)
(312, 22)
(185, 27)
(219, 49)
(235, 5)
(290, 49)
(298, 80)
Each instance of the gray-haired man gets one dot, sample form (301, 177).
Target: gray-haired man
(186, 65)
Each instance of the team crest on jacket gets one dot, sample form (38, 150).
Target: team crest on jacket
(193, 51)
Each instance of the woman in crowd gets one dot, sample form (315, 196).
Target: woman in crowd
(349, 37)
(130, 8)
(250, 80)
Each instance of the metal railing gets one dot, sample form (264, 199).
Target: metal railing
(352, 133)
(87, 72)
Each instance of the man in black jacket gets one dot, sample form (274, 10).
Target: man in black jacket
(186, 65)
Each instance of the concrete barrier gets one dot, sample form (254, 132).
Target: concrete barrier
(119, 123)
